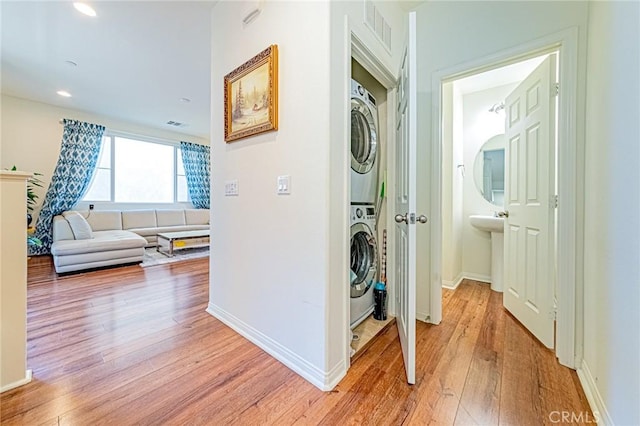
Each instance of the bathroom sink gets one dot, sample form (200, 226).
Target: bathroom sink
(487, 223)
(494, 225)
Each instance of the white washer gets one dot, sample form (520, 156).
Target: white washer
(364, 262)
(364, 145)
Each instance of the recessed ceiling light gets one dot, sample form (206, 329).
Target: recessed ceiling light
(64, 93)
(185, 100)
(84, 8)
(73, 64)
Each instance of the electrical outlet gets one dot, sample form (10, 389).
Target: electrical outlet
(231, 188)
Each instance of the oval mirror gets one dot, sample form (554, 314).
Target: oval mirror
(488, 170)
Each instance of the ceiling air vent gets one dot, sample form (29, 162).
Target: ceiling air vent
(175, 123)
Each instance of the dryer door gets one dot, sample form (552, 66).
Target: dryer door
(364, 137)
(364, 255)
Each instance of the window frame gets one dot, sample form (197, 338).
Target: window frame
(112, 135)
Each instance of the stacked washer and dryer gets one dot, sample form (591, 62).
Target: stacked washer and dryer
(364, 186)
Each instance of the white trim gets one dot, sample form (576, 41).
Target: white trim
(324, 380)
(566, 44)
(27, 378)
(111, 135)
(452, 285)
(357, 50)
(477, 277)
(370, 62)
(346, 172)
(141, 138)
(600, 412)
(567, 176)
(436, 283)
(423, 316)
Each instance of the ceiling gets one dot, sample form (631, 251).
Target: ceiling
(135, 60)
(513, 73)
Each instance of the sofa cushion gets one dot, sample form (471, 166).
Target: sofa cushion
(170, 217)
(197, 216)
(101, 241)
(95, 259)
(104, 220)
(79, 226)
(61, 229)
(138, 219)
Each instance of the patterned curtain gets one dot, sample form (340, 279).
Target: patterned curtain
(77, 162)
(197, 168)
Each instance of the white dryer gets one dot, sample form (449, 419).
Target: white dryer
(364, 262)
(364, 145)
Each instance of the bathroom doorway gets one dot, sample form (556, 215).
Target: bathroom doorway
(488, 170)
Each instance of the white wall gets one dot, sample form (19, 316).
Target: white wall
(479, 125)
(269, 256)
(450, 249)
(31, 135)
(612, 212)
(455, 33)
(279, 270)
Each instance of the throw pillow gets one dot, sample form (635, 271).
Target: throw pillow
(79, 225)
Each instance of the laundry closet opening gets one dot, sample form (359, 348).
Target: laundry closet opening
(368, 207)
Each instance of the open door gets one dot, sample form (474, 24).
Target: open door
(530, 202)
(405, 204)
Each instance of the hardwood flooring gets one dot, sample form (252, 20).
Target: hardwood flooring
(134, 345)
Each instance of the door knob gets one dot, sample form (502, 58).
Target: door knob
(422, 219)
(503, 214)
(401, 218)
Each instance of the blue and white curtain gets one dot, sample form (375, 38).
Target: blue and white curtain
(197, 168)
(71, 178)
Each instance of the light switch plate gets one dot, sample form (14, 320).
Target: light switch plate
(231, 188)
(283, 186)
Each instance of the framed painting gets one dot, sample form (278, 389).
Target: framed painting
(251, 96)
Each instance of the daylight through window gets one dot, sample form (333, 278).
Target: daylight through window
(138, 171)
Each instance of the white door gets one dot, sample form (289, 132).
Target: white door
(405, 205)
(530, 202)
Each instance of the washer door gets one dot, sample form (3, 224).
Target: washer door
(364, 255)
(364, 137)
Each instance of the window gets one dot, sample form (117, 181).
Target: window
(138, 171)
(182, 192)
(100, 187)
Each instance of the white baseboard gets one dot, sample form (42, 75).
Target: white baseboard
(596, 402)
(324, 380)
(477, 277)
(24, 381)
(422, 316)
(452, 285)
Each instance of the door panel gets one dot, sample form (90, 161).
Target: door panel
(530, 172)
(405, 204)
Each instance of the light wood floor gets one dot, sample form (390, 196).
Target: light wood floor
(135, 346)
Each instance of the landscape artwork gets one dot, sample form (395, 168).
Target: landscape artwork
(251, 97)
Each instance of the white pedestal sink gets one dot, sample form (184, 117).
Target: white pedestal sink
(495, 226)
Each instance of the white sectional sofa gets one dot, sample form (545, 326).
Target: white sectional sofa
(117, 237)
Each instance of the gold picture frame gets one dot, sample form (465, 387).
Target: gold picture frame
(251, 96)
